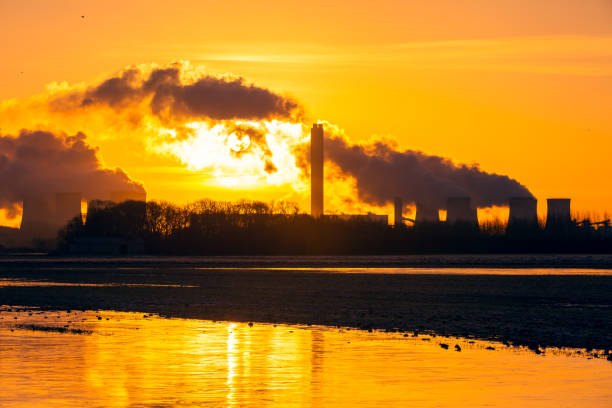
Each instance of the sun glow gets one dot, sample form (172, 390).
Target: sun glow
(238, 153)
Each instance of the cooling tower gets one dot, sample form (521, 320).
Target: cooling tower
(121, 196)
(316, 170)
(399, 212)
(459, 210)
(67, 207)
(37, 216)
(558, 212)
(426, 214)
(523, 211)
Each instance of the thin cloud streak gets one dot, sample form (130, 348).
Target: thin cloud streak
(568, 55)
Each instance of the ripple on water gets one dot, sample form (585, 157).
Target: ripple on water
(117, 359)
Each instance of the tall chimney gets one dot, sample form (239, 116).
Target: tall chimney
(523, 211)
(426, 214)
(316, 170)
(399, 212)
(558, 212)
(459, 210)
(67, 207)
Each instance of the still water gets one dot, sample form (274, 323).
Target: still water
(112, 359)
(438, 271)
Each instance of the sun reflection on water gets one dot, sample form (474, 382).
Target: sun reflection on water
(232, 349)
(129, 359)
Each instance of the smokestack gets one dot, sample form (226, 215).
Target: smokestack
(121, 196)
(459, 210)
(399, 212)
(426, 214)
(558, 212)
(523, 211)
(316, 170)
(67, 207)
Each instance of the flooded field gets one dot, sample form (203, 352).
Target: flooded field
(533, 307)
(112, 359)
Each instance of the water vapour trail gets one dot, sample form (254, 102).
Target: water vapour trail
(39, 162)
(383, 172)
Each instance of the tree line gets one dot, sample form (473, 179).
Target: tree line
(209, 227)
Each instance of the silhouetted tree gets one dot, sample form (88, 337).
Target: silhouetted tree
(208, 227)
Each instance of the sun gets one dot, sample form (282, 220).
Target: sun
(238, 153)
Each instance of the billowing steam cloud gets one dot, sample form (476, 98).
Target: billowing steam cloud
(171, 98)
(381, 173)
(235, 131)
(39, 162)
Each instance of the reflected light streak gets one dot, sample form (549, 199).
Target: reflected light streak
(232, 350)
(132, 360)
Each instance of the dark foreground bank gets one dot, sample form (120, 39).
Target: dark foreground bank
(535, 311)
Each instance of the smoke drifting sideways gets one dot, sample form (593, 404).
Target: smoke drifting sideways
(36, 163)
(177, 108)
(177, 94)
(382, 172)
(241, 133)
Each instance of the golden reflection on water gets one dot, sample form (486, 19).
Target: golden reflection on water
(134, 361)
(433, 270)
(30, 283)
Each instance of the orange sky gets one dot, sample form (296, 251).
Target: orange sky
(522, 88)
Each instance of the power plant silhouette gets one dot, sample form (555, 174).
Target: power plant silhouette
(316, 170)
(317, 182)
(459, 210)
(523, 210)
(44, 214)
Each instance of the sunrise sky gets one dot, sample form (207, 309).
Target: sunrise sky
(522, 88)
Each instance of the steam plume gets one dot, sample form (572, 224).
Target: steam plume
(382, 173)
(39, 162)
(226, 125)
(171, 98)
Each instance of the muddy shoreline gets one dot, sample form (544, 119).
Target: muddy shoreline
(533, 311)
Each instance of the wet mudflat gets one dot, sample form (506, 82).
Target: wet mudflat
(532, 307)
(116, 359)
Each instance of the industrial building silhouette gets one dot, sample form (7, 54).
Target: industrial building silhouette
(523, 213)
(459, 210)
(316, 170)
(44, 215)
(317, 181)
